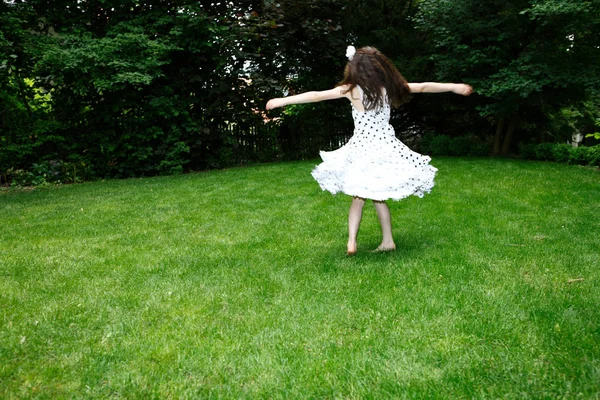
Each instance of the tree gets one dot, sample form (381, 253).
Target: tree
(22, 109)
(302, 47)
(526, 58)
(135, 88)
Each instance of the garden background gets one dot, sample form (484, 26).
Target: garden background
(218, 282)
(97, 88)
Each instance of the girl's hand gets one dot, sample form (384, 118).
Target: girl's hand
(463, 89)
(275, 103)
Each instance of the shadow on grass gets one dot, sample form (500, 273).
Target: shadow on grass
(330, 258)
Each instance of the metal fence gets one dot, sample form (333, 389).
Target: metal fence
(274, 141)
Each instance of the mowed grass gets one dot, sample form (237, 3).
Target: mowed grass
(235, 284)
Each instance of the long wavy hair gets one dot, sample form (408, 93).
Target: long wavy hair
(373, 71)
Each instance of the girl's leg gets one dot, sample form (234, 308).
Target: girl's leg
(354, 218)
(385, 220)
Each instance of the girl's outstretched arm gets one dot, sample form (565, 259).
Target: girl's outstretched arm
(308, 97)
(435, 87)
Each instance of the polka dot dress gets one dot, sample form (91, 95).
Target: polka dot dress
(374, 164)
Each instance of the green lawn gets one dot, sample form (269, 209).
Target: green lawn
(235, 284)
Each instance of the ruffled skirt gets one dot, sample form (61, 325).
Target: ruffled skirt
(390, 174)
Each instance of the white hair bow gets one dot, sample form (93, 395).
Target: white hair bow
(350, 51)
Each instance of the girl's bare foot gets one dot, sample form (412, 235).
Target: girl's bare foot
(385, 247)
(351, 250)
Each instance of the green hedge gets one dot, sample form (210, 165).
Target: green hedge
(443, 145)
(561, 152)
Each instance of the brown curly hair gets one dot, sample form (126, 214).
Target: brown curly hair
(372, 71)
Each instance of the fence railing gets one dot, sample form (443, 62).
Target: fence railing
(274, 141)
(261, 142)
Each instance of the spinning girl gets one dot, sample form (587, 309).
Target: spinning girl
(374, 164)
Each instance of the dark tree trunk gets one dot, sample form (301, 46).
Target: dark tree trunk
(498, 136)
(509, 134)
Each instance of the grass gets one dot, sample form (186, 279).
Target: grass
(234, 284)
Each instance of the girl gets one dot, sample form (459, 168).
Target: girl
(374, 164)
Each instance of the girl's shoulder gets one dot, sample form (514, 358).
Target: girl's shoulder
(351, 93)
(345, 88)
(355, 93)
(356, 97)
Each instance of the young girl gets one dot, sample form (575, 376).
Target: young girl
(374, 164)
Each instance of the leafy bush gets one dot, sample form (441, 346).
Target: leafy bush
(443, 145)
(459, 146)
(479, 149)
(425, 143)
(468, 146)
(175, 159)
(595, 135)
(585, 155)
(47, 173)
(527, 151)
(594, 155)
(440, 145)
(561, 152)
(543, 151)
(19, 177)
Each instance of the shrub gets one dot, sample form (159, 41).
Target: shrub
(479, 149)
(19, 177)
(585, 155)
(425, 143)
(561, 152)
(440, 145)
(579, 155)
(527, 151)
(47, 173)
(175, 159)
(543, 151)
(459, 146)
(595, 155)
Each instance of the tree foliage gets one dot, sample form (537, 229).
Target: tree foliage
(526, 58)
(132, 88)
(136, 88)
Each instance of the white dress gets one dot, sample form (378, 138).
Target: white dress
(374, 164)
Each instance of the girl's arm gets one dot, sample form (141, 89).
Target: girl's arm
(435, 87)
(308, 97)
